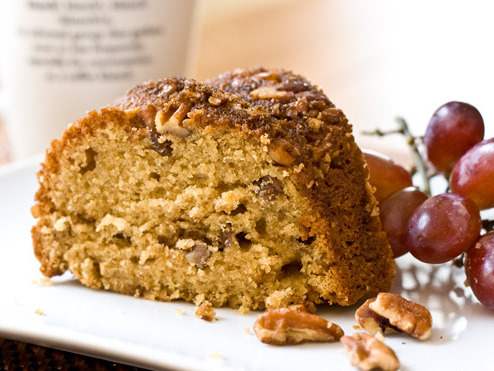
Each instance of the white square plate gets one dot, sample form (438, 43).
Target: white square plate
(68, 316)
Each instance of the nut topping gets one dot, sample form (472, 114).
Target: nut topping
(172, 124)
(270, 92)
(368, 353)
(150, 115)
(169, 88)
(315, 123)
(293, 326)
(217, 99)
(389, 311)
(282, 151)
(294, 86)
(268, 75)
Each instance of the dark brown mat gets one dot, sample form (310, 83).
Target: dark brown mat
(18, 356)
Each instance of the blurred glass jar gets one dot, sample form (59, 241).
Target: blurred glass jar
(61, 58)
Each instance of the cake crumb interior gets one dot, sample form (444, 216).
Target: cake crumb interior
(211, 217)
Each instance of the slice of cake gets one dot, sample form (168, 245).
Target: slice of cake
(248, 191)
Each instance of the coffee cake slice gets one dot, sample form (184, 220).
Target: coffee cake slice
(250, 194)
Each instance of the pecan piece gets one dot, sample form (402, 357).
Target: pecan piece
(270, 92)
(269, 187)
(198, 255)
(294, 86)
(368, 353)
(163, 147)
(217, 99)
(282, 151)
(390, 311)
(206, 311)
(293, 326)
(149, 115)
(169, 88)
(225, 237)
(171, 125)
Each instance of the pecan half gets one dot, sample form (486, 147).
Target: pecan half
(293, 326)
(368, 353)
(390, 311)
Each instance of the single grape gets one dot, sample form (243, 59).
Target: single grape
(473, 174)
(442, 228)
(395, 211)
(453, 129)
(479, 267)
(386, 175)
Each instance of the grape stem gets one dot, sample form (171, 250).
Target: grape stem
(459, 262)
(488, 225)
(413, 142)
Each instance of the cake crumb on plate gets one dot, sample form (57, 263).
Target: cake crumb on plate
(206, 312)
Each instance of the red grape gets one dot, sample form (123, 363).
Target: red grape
(387, 176)
(473, 174)
(479, 267)
(442, 228)
(453, 129)
(395, 211)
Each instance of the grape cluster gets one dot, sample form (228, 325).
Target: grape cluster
(436, 229)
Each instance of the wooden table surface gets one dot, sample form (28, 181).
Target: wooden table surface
(375, 59)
